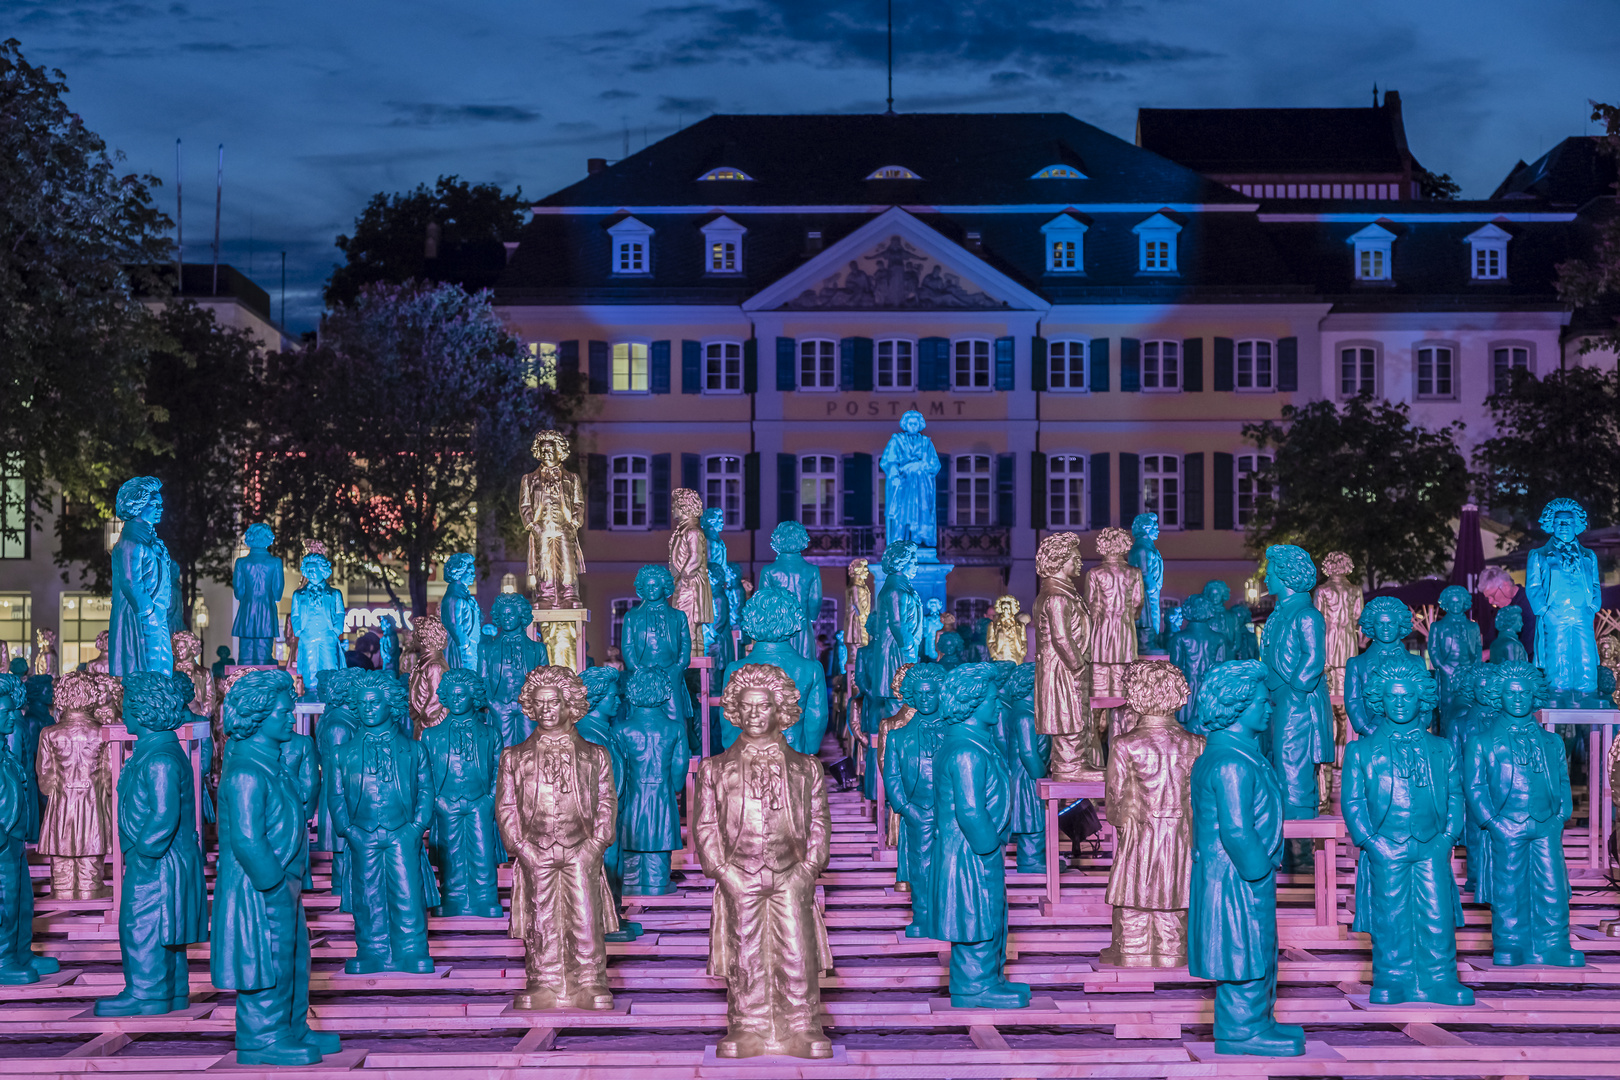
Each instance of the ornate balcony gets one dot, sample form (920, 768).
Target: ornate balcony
(964, 545)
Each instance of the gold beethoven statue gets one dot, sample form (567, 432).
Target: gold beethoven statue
(1114, 595)
(430, 639)
(1340, 603)
(552, 504)
(555, 806)
(1005, 637)
(76, 828)
(857, 606)
(761, 830)
(1150, 807)
(1063, 662)
(689, 564)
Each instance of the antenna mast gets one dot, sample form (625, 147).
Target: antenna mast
(179, 229)
(219, 197)
(890, 111)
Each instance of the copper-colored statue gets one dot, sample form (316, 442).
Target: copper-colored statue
(761, 830)
(1063, 662)
(1114, 593)
(1150, 806)
(552, 505)
(188, 662)
(857, 606)
(689, 563)
(555, 806)
(100, 663)
(73, 777)
(46, 662)
(1006, 638)
(431, 639)
(1340, 603)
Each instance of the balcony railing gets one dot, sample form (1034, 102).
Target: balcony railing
(966, 545)
(841, 545)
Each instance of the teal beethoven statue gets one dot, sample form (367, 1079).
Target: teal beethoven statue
(1145, 557)
(464, 754)
(1222, 622)
(1472, 713)
(1237, 841)
(908, 781)
(972, 821)
(897, 625)
(772, 618)
(793, 573)
(258, 582)
(1295, 654)
(317, 621)
(505, 659)
(1386, 621)
(1516, 779)
(382, 803)
(1027, 751)
(1403, 807)
(1197, 648)
(653, 752)
(260, 945)
(336, 726)
(604, 699)
(1508, 645)
(165, 901)
(41, 694)
(717, 640)
(657, 635)
(463, 619)
(1454, 641)
(909, 465)
(18, 964)
(142, 584)
(933, 623)
(1562, 583)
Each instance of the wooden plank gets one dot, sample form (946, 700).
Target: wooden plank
(536, 1039)
(106, 1044)
(986, 1037)
(1429, 1035)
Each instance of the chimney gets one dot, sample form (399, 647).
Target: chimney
(595, 165)
(975, 243)
(812, 241)
(1392, 110)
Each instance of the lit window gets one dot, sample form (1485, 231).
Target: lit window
(1157, 236)
(1436, 372)
(1358, 371)
(17, 624)
(725, 172)
(1161, 365)
(630, 368)
(1372, 246)
(896, 369)
(722, 486)
(1066, 491)
(80, 618)
(971, 475)
(722, 246)
(1065, 245)
(13, 511)
(628, 480)
(632, 247)
(1161, 488)
(1489, 250)
(1059, 172)
(818, 491)
(618, 608)
(1504, 361)
(893, 172)
(722, 367)
(972, 365)
(1254, 366)
(1066, 365)
(542, 366)
(1252, 485)
(818, 365)
(723, 257)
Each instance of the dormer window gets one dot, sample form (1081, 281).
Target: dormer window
(1059, 172)
(632, 247)
(1488, 253)
(1156, 245)
(722, 246)
(893, 172)
(1065, 245)
(725, 172)
(1373, 255)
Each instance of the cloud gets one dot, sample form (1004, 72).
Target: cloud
(687, 106)
(427, 114)
(617, 95)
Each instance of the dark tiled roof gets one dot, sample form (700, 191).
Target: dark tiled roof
(1260, 141)
(197, 282)
(1570, 174)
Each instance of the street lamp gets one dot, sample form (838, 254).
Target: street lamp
(508, 583)
(199, 613)
(111, 530)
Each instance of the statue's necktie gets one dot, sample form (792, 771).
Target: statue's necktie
(377, 755)
(1410, 760)
(1524, 751)
(765, 776)
(462, 742)
(1568, 555)
(557, 763)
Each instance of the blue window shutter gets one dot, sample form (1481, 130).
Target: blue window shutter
(658, 492)
(1005, 377)
(751, 366)
(1192, 365)
(599, 368)
(942, 492)
(692, 472)
(787, 364)
(1225, 516)
(857, 489)
(933, 363)
(1224, 364)
(1192, 491)
(1130, 489)
(1037, 363)
(751, 490)
(863, 363)
(787, 487)
(1288, 363)
(1099, 369)
(596, 488)
(1130, 365)
(568, 366)
(846, 363)
(1037, 489)
(658, 373)
(691, 367)
(1006, 489)
(1102, 504)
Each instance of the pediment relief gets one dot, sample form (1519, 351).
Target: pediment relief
(894, 275)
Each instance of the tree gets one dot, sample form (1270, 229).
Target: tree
(1437, 186)
(391, 238)
(1556, 436)
(1362, 479)
(74, 338)
(1595, 282)
(403, 431)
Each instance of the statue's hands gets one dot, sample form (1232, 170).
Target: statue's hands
(1384, 846)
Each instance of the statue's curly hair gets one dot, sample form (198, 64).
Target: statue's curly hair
(598, 682)
(965, 690)
(917, 676)
(251, 699)
(1337, 562)
(1380, 608)
(899, 678)
(321, 564)
(458, 564)
(1387, 674)
(1293, 564)
(563, 679)
(154, 700)
(1226, 692)
(1142, 522)
(429, 630)
(77, 691)
(898, 554)
(1114, 541)
(134, 494)
(768, 677)
(509, 601)
(1509, 620)
(1455, 598)
(1154, 687)
(1196, 608)
(649, 688)
(556, 438)
(1523, 671)
(470, 679)
(259, 535)
(654, 578)
(14, 690)
(1548, 513)
(1021, 684)
(771, 614)
(335, 685)
(789, 537)
(392, 690)
(1213, 586)
(684, 502)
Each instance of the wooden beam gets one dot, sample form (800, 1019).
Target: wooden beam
(1430, 1035)
(106, 1044)
(986, 1037)
(537, 1039)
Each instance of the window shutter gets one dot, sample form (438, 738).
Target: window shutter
(1037, 363)
(1192, 491)
(596, 487)
(1288, 363)
(863, 363)
(751, 490)
(1005, 378)
(934, 363)
(751, 366)
(787, 364)
(1192, 365)
(1006, 488)
(568, 366)
(692, 472)
(658, 492)
(1130, 364)
(1225, 492)
(787, 487)
(1099, 365)
(658, 367)
(846, 363)
(857, 489)
(1130, 488)
(942, 492)
(1037, 489)
(1097, 476)
(1224, 365)
(599, 368)
(691, 367)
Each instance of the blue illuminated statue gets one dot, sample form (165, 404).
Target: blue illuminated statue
(897, 624)
(1217, 593)
(653, 759)
(1240, 620)
(1295, 655)
(317, 621)
(909, 465)
(656, 634)
(505, 659)
(771, 617)
(797, 576)
(1454, 642)
(1196, 649)
(1562, 583)
(142, 584)
(717, 639)
(388, 644)
(933, 622)
(1386, 621)
(1509, 646)
(459, 611)
(1146, 558)
(258, 582)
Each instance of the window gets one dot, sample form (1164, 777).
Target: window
(818, 491)
(1066, 365)
(1373, 252)
(1065, 244)
(893, 172)
(630, 367)
(722, 246)
(542, 365)
(17, 623)
(1155, 255)
(1064, 255)
(722, 486)
(972, 475)
(725, 172)
(972, 364)
(13, 512)
(826, 625)
(82, 617)
(1487, 263)
(723, 257)
(969, 610)
(1157, 236)
(1251, 485)
(1161, 488)
(618, 608)
(722, 367)
(1504, 360)
(1358, 371)
(632, 247)
(1161, 365)
(895, 365)
(631, 257)
(1436, 372)
(628, 476)
(1066, 491)
(1254, 365)
(1059, 172)
(1489, 252)
(818, 365)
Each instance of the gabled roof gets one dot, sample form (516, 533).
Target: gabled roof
(1261, 141)
(1570, 174)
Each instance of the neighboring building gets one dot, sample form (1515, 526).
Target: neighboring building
(236, 301)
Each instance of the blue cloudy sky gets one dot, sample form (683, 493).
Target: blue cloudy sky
(320, 104)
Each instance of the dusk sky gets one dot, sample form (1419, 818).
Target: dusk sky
(320, 105)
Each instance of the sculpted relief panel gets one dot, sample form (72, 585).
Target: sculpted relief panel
(894, 275)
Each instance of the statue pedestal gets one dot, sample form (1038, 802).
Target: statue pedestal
(929, 580)
(563, 631)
